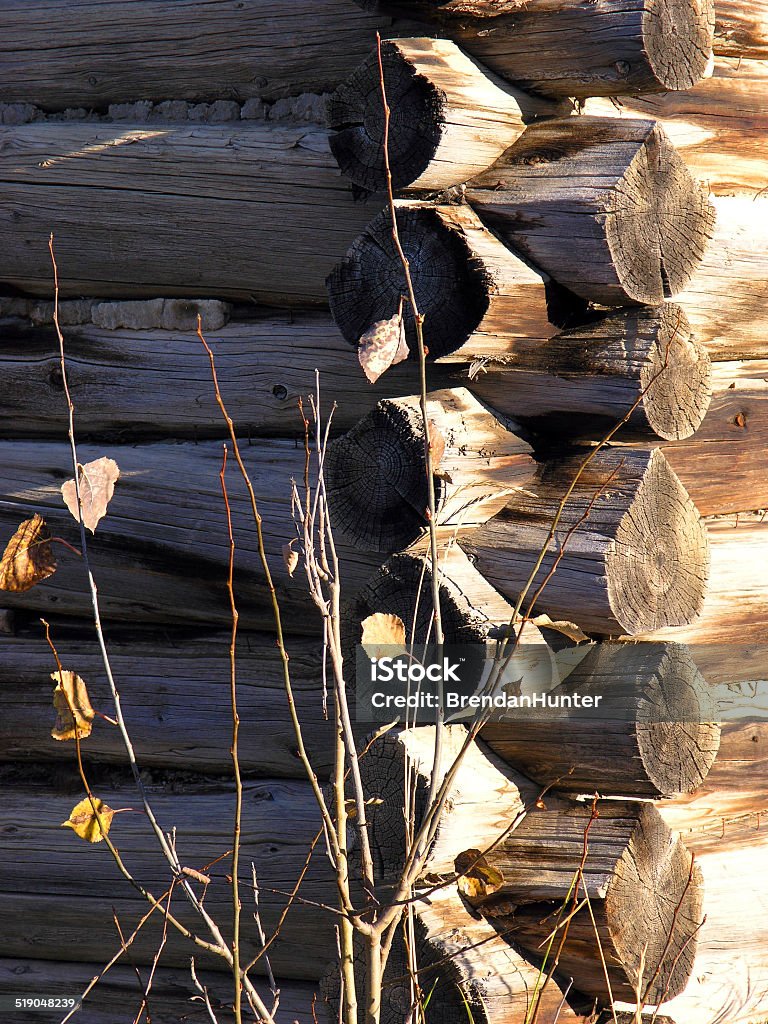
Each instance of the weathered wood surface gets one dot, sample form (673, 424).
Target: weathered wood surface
(592, 376)
(45, 910)
(98, 52)
(117, 997)
(175, 696)
(587, 379)
(637, 552)
(568, 48)
(605, 206)
(741, 29)
(651, 735)
(161, 553)
(730, 975)
(258, 211)
(475, 295)
(727, 298)
(377, 479)
(646, 894)
(718, 126)
(450, 117)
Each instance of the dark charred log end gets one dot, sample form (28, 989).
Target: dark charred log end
(676, 380)
(565, 309)
(676, 737)
(452, 286)
(654, 903)
(377, 487)
(678, 37)
(658, 566)
(660, 223)
(356, 119)
(403, 587)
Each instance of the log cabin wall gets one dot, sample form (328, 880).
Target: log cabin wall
(595, 216)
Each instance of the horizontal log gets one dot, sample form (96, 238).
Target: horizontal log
(376, 474)
(117, 997)
(650, 736)
(474, 294)
(258, 211)
(642, 363)
(108, 51)
(730, 974)
(718, 127)
(605, 206)
(69, 911)
(161, 553)
(567, 48)
(741, 29)
(722, 466)
(726, 298)
(451, 118)
(645, 890)
(637, 551)
(592, 376)
(175, 697)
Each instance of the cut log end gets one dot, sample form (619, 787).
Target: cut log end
(452, 289)
(356, 117)
(654, 904)
(658, 566)
(376, 478)
(676, 379)
(659, 222)
(678, 37)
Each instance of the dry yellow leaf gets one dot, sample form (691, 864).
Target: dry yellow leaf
(85, 823)
(97, 485)
(28, 557)
(71, 695)
(382, 632)
(291, 558)
(436, 443)
(477, 878)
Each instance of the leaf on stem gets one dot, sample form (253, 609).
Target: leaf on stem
(569, 629)
(85, 823)
(436, 443)
(28, 557)
(71, 695)
(290, 557)
(97, 485)
(382, 345)
(477, 878)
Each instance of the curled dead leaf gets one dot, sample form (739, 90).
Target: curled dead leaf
(85, 822)
(569, 629)
(291, 558)
(382, 630)
(28, 558)
(436, 443)
(351, 805)
(197, 875)
(73, 707)
(382, 345)
(477, 878)
(97, 485)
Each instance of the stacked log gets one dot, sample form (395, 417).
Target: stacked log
(521, 226)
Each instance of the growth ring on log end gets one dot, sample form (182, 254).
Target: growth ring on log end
(376, 473)
(606, 206)
(449, 118)
(465, 280)
(636, 559)
(646, 893)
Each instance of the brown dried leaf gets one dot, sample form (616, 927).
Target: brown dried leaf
(291, 558)
(477, 879)
(71, 693)
(382, 345)
(84, 822)
(569, 629)
(350, 805)
(97, 485)
(436, 443)
(382, 630)
(28, 557)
